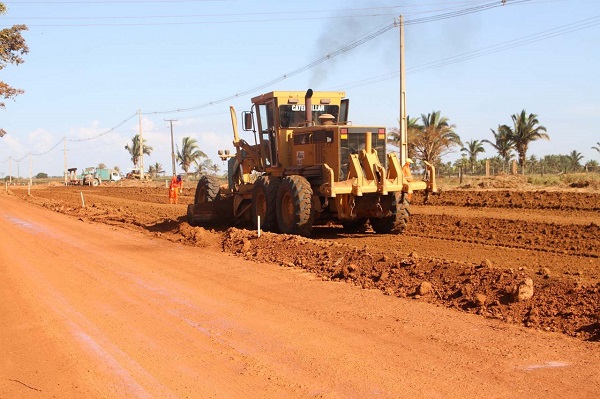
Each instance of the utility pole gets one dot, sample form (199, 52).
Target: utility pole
(30, 169)
(10, 169)
(65, 156)
(403, 135)
(141, 146)
(172, 145)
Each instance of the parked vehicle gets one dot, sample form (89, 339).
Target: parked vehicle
(94, 176)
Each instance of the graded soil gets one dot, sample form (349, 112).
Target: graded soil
(473, 247)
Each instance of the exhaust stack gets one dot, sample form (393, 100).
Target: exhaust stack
(308, 107)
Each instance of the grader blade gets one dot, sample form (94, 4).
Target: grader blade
(215, 213)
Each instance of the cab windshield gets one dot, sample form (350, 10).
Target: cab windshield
(294, 115)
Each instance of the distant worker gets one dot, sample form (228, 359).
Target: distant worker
(175, 188)
(406, 169)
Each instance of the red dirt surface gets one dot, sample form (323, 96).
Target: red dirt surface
(122, 298)
(467, 250)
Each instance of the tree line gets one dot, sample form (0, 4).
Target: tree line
(433, 136)
(187, 157)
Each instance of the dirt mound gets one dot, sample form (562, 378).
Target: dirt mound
(540, 199)
(198, 236)
(548, 237)
(502, 181)
(480, 289)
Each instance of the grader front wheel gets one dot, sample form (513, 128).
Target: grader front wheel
(294, 206)
(264, 200)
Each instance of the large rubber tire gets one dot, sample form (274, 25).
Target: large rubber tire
(355, 226)
(264, 202)
(207, 190)
(396, 223)
(95, 183)
(295, 214)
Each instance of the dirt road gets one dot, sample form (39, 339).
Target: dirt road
(550, 237)
(91, 310)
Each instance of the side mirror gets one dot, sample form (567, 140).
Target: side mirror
(248, 121)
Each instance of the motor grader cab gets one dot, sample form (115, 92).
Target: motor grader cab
(309, 165)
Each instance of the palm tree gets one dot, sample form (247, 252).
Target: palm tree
(156, 169)
(395, 138)
(134, 149)
(190, 153)
(574, 159)
(526, 129)
(473, 148)
(597, 148)
(435, 138)
(591, 165)
(502, 144)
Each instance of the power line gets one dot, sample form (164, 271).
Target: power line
(106, 132)
(278, 79)
(315, 15)
(114, 2)
(75, 140)
(462, 12)
(331, 55)
(495, 48)
(390, 9)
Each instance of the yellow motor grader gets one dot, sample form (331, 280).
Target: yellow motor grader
(309, 165)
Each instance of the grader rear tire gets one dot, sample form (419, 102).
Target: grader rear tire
(396, 223)
(207, 190)
(295, 214)
(264, 202)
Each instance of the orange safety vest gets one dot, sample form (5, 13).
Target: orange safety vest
(406, 171)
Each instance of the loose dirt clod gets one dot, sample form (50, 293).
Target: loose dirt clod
(424, 288)
(523, 291)
(545, 272)
(480, 299)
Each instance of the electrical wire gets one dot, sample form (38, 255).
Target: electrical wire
(342, 50)
(510, 44)
(106, 132)
(315, 15)
(76, 140)
(221, 15)
(278, 79)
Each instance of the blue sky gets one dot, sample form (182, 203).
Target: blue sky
(93, 64)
